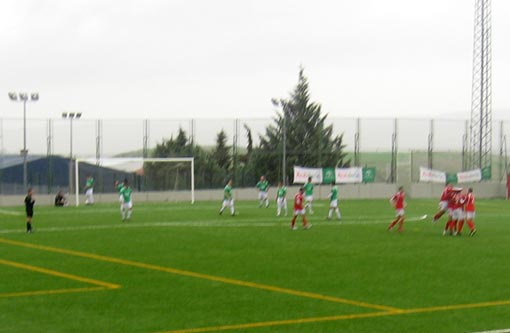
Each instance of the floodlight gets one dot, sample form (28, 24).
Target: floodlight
(13, 96)
(78, 115)
(71, 114)
(34, 96)
(23, 96)
(64, 114)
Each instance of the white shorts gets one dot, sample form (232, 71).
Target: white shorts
(89, 192)
(228, 203)
(309, 198)
(470, 215)
(262, 195)
(127, 205)
(333, 203)
(443, 205)
(299, 211)
(457, 214)
(282, 202)
(399, 212)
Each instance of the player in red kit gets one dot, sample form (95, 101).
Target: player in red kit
(455, 212)
(299, 209)
(469, 210)
(398, 201)
(443, 202)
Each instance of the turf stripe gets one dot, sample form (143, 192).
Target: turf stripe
(201, 223)
(10, 212)
(201, 276)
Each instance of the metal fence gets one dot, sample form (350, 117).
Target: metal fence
(396, 147)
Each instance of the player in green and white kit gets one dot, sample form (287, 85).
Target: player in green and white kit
(228, 199)
(308, 194)
(333, 202)
(281, 199)
(89, 190)
(263, 187)
(126, 207)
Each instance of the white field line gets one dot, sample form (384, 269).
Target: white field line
(10, 212)
(255, 223)
(505, 330)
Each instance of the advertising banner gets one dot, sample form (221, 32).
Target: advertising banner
(469, 176)
(348, 175)
(433, 176)
(328, 175)
(368, 175)
(301, 175)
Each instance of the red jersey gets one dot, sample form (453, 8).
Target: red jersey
(456, 201)
(398, 200)
(447, 192)
(470, 202)
(298, 201)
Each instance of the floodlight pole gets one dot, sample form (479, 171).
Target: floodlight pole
(71, 116)
(23, 97)
(24, 152)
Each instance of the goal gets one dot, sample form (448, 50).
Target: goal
(147, 174)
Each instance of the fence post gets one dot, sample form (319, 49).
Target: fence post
(357, 143)
(394, 152)
(430, 150)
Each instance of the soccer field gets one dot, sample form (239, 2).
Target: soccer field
(183, 268)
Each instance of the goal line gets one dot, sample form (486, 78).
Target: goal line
(116, 161)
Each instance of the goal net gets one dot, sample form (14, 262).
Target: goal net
(146, 175)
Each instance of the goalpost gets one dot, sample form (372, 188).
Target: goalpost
(130, 165)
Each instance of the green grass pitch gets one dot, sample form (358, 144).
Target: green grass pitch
(183, 268)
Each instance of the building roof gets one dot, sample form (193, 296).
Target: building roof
(7, 161)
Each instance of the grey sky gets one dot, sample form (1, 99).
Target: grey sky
(228, 58)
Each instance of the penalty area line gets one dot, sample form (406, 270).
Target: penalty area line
(505, 330)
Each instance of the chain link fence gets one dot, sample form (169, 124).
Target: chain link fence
(395, 147)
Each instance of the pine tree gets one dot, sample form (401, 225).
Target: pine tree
(309, 141)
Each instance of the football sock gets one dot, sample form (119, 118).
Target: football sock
(129, 213)
(447, 226)
(438, 215)
(460, 225)
(453, 225)
(471, 225)
(305, 222)
(401, 224)
(293, 222)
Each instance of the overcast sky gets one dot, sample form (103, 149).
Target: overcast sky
(228, 58)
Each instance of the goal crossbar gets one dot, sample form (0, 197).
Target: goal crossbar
(100, 162)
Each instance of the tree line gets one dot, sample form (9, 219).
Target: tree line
(298, 122)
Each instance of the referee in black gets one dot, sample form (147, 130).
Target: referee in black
(29, 208)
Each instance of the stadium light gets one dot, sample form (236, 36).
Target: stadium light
(71, 116)
(24, 98)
